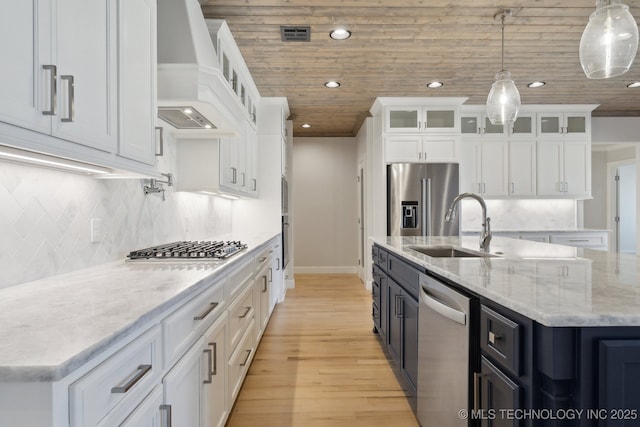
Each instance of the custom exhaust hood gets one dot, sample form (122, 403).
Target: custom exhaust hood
(193, 96)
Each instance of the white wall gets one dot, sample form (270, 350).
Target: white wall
(45, 219)
(325, 203)
(595, 210)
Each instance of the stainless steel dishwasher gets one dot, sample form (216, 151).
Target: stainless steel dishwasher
(443, 354)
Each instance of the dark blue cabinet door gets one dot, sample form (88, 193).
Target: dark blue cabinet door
(410, 339)
(394, 333)
(619, 369)
(497, 393)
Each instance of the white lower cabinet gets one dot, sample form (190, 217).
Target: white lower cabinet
(150, 413)
(240, 360)
(215, 404)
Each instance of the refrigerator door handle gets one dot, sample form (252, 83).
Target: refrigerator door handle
(426, 206)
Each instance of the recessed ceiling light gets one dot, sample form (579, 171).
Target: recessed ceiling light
(332, 84)
(536, 84)
(306, 125)
(634, 84)
(434, 85)
(340, 34)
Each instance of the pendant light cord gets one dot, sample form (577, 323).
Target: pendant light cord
(502, 19)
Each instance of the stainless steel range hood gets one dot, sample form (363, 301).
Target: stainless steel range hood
(193, 96)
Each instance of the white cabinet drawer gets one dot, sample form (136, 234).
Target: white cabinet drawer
(185, 325)
(238, 277)
(240, 360)
(581, 240)
(241, 311)
(148, 414)
(125, 376)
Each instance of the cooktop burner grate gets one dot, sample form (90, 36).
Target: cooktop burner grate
(189, 250)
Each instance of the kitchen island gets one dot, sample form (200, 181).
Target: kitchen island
(557, 327)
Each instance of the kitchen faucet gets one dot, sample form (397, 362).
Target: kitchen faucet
(485, 236)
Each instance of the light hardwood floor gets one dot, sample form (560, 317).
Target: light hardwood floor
(320, 364)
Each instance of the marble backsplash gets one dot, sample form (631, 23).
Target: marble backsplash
(45, 219)
(523, 214)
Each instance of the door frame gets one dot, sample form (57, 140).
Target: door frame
(362, 240)
(611, 198)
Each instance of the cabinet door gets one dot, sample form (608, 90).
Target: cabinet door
(494, 167)
(524, 126)
(183, 387)
(25, 28)
(251, 156)
(549, 173)
(86, 56)
(384, 308)
(577, 124)
(619, 372)
(498, 392)
(577, 167)
(148, 414)
(522, 167)
(394, 333)
(410, 339)
(470, 165)
(214, 394)
(229, 163)
(403, 119)
(403, 149)
(443, 119)
(550, 125)
(470, 124)
(137, 79)
(439, 149)
(263, 294)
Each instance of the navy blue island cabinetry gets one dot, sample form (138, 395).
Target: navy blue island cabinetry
(521, 372)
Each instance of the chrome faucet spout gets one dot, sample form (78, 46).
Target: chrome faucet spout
(485, 235)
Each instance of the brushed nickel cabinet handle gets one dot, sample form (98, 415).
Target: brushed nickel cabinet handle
(166, 421)
(246, 359)
(141, 372)
(206, 312)
(209, 379)
(254, 186)
(214, 347)
(264, 284)
(246, 312)
(53, 89)
(70, 98)
(493, 337)
(477, 383)
(160, 132)
(262, 259)
(270, 274)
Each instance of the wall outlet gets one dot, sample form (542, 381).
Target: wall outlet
(96, 230)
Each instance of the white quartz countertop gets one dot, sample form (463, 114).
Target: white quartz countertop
(548, 231)
(50, 327)
(554, 285)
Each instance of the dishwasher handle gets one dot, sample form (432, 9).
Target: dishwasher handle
(443, 309)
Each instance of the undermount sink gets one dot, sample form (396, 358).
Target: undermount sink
(448, 252)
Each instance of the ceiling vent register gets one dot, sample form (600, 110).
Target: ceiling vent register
(295, 34)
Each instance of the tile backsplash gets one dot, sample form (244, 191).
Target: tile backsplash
(45, 220)
(523, 214)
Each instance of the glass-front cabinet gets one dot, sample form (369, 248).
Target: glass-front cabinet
(417, 119)
(479, 124)
(563, 124)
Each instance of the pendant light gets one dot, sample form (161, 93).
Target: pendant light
(503, 101)
(610, 40)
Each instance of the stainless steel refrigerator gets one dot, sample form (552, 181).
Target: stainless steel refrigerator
(418, 196)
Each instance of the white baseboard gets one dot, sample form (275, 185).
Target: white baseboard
(326, 270)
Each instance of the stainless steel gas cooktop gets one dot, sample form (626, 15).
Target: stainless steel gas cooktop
(189, 250)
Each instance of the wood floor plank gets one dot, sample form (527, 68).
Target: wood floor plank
(320, 364)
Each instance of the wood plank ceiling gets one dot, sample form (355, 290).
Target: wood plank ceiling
(399, 46)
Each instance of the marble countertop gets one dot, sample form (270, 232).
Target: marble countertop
(50, 327)
(549, 231)
(554, 285)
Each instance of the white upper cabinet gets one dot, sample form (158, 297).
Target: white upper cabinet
(484, 166)
(137, 78)
(522, 167)
(61, 74)
(421, 149)
(564, 124)
(81, 74)
(418, 119)
(564, 168)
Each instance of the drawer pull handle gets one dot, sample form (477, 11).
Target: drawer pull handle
(262, 259)
(206, 312)
(70, 98)
(493, 337)
(264, 284)
(477, 383)
(167, 417)
(579, 240)
(141, 372)
(246, 359)
(209, 379)
(246, 312)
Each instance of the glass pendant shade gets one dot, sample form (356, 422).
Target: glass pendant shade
(609, 42)
(503, 101)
